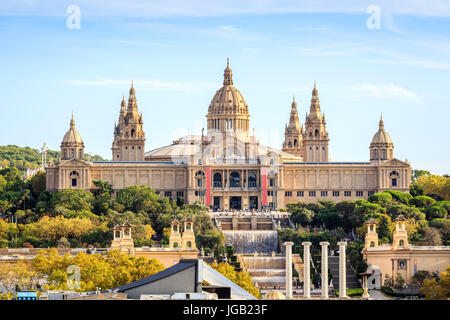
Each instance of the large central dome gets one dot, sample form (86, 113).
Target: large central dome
(228, 110)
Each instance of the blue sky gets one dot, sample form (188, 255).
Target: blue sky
(175, 51)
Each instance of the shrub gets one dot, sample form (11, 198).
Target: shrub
(436, 211)
(388, 290)
(400, 196)
(382, 198)
(422, 201)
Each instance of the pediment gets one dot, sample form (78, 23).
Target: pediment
(394, 163)
(74, 163)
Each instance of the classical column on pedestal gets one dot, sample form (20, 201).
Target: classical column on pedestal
(306, 270)
(324, 268)
(289, 269)
(342, 270)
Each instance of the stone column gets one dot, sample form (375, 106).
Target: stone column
(289, 269)
(342, 270)
(324, 267)
(306, 270)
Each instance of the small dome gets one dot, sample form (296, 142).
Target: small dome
(274, 295)
(381, 137)
(72, 137)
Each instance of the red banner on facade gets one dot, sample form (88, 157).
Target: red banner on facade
(208, 187)
(264, 186)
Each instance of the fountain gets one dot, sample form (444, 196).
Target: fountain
(249, 241)
(266, 271)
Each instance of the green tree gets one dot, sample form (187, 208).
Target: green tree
(416, 190)
(416, 174)
(73, 199)
(381, 198)
(422, 201)
(38, 184)
(302, 216)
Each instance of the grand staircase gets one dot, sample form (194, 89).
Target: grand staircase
(352, 281)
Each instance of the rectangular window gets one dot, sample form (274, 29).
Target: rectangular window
(323, 193)
(394, 182)
(180, 194)
(157, 192)
(370, 193)
(312, 193)
(299, 193)
(359, 193)
(335, 193)
(288, 193)
(271, 182)
(168, 194)
(74, 182)
(347, 193)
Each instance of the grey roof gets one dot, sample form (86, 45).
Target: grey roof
(326, 163)
(182, 265)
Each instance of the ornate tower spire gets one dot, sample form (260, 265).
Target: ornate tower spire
(315, 137)
(381, 124)
(129, 136)
(72, 122)
(123, 105)
(228, 75)
(293, 133)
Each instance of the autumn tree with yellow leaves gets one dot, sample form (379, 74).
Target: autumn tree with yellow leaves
(106, 271)
(437, 290)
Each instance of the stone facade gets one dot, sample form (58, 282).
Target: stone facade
(228, 168)
(400, 257)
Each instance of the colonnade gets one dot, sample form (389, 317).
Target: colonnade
(324, 271)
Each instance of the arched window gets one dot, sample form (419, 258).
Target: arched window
(199, 177)
(372, 244)
(295, 143)
(235, 179)
(132, 133)
(217, 180)
(175, 244)
(252, 180)
(74, 175)
(316, 133)
(289, 145)
(401, 243)
(394, 176)
(175, 228)
(189, 244)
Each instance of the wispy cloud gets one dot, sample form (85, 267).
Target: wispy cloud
(140, 43)
(198, 8)
(387, 91)
(146, 84)
(228, 28)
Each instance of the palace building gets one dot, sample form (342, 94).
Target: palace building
(226, 167)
